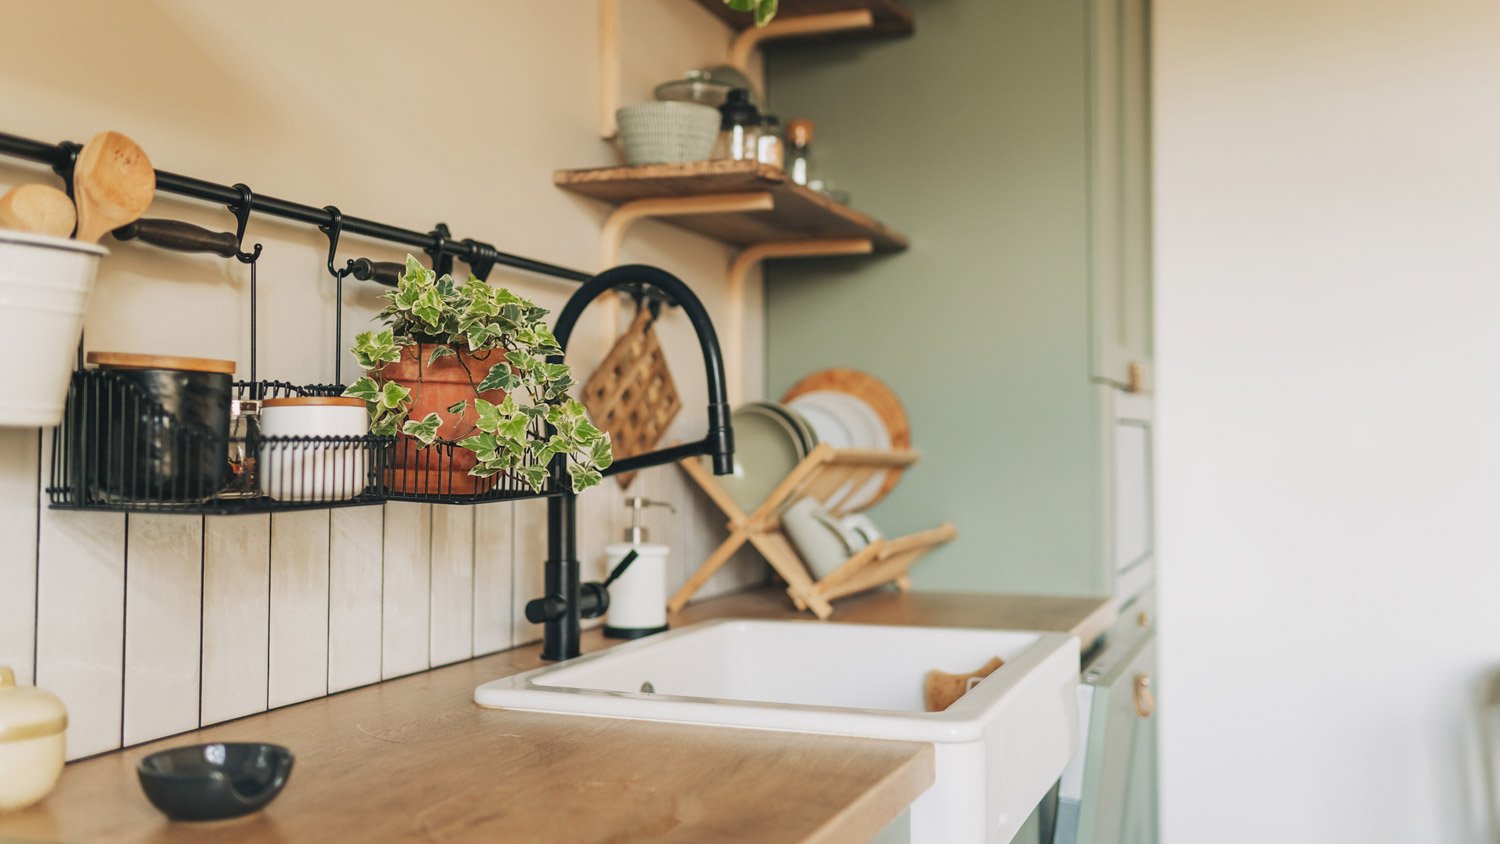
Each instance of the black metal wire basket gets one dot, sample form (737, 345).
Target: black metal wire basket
(119, 449)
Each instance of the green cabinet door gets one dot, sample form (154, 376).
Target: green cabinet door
(1118, 805)
(1120, 190)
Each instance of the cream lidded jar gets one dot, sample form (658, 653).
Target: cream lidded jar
(33, 726)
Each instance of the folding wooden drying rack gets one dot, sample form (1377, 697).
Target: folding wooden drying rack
(822, 473)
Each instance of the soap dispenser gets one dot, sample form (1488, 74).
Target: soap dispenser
(638, 599)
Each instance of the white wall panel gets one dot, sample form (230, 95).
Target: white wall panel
(298, 667)
(494, 554)
(18, 524)
(452, 592)
(236, 615)
(405, 632)
(81, 623)
(163, 615)
(354, 596)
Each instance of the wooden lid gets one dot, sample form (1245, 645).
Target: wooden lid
(126, 360)
(313, 401)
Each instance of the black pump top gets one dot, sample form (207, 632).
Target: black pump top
(737, 110)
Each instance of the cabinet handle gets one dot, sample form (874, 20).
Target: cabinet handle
(1145, 702)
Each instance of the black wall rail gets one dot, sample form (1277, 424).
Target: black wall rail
(478, 255)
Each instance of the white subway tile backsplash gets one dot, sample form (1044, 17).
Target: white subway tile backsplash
(298, 633)
(405, 628)
(236, 616)
(452, 594)
(19, 462)
(354, 596)
(163, 611)
(530, 542)
(81, 623)
(494, 555)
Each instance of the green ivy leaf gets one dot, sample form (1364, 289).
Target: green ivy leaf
(602, 452)
(438, 353)
(485, 470)
(394, 395)
(426, 430)
(374, 349)
(489, 416)
(535, 476)
(500, 377)
(583, 476)
(365, 388)
(764, 11)
(457, 407)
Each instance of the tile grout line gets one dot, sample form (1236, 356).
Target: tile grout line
(124, 624)
(270, 573)
(36, 581)
(202, 607)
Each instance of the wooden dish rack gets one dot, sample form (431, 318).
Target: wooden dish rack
(822, 473)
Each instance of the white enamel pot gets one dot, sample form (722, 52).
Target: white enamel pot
(44, 289)
(310, 448)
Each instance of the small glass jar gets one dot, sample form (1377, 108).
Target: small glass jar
(769, 147)
(739, 128)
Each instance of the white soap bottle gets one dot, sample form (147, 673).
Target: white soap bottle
(638, 599)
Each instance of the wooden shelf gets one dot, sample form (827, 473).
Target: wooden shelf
(799, 213)
(891, 18)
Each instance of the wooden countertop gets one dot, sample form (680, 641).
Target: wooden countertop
(415, 759)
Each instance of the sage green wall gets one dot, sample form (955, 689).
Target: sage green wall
(971, 137)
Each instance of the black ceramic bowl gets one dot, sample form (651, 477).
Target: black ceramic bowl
(205, 782)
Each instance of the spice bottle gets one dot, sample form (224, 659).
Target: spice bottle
(771, 150)
(739, 127)
(799, 134)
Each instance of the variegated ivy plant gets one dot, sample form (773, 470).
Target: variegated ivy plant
(427, 309)
(764, 9)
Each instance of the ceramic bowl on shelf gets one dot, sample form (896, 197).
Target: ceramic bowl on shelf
(667, 132)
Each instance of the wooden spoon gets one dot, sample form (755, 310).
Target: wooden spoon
(113, 183)
(39, 209)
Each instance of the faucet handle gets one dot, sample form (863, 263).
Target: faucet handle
(636, 502)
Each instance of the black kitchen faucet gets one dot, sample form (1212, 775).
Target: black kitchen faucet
(567, 601)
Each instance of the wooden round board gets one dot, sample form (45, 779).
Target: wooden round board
(877, 395)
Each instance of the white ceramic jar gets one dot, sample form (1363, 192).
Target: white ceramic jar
(44, 287)
(33, 724)
(331, 466)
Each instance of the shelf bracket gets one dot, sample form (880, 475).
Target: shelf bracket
(790, 27)
(740, 269)
(624, 215)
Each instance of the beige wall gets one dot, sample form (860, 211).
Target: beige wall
(1328, 336)
(405, 113)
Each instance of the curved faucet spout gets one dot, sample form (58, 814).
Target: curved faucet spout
(566, 601)
(719, 442)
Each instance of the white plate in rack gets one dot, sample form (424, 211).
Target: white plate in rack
(846, 421)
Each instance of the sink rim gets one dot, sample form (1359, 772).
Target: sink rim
(964, 721)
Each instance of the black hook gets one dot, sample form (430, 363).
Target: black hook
(482, 258)
(69, 160)
(241, 210)
(333, 228)
(442, 262)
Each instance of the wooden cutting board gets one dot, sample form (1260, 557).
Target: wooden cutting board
(631, 395)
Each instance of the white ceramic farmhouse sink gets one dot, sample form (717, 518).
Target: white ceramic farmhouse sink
(998, 749)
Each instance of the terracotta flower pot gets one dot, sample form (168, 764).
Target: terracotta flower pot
(435, 387)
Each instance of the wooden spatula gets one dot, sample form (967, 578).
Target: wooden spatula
(113, 183)
(40, 209)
